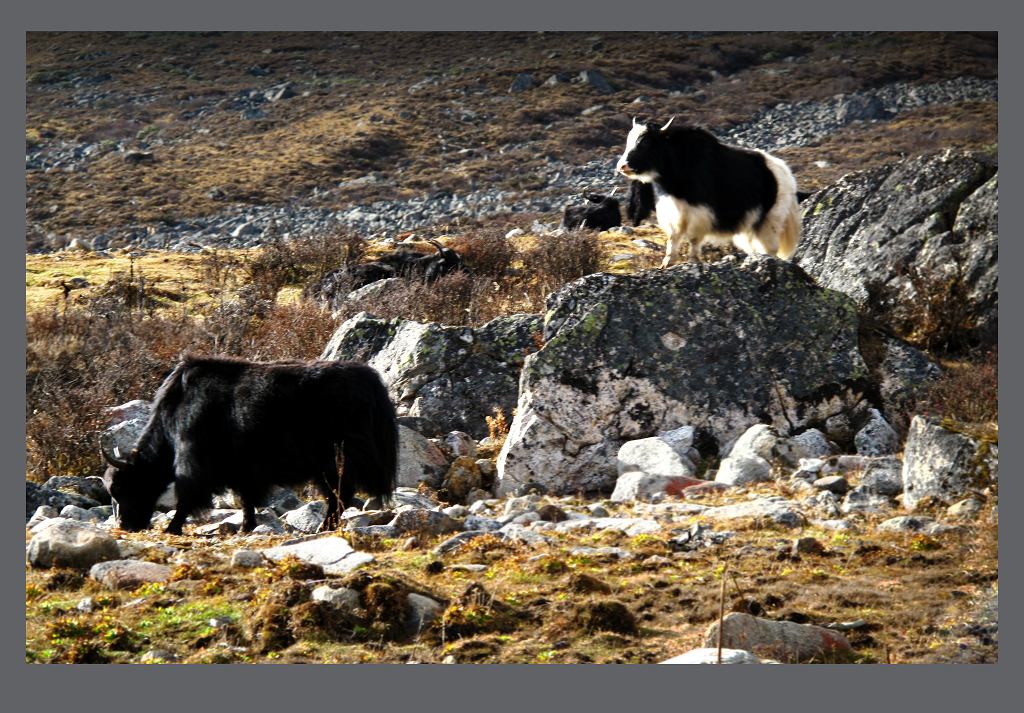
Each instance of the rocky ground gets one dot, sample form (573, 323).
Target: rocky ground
(817, 438)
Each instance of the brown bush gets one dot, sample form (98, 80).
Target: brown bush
(966, 392)
(486, 252)
(78, 363)
(556, 261)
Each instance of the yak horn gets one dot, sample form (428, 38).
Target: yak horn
(669, 123)
(113, 457)
(437, 245)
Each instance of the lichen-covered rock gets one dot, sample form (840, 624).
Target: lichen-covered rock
(462, 478)
(718, 346)
(882, 476)
(926, 213)
(453, 377)
(943, 464)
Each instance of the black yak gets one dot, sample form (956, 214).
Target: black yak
(705, 191)
(601, 214)
(220, 423)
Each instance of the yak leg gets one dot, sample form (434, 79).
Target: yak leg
(248, 515)
(331, 519)
(672, 246)
(174, 527)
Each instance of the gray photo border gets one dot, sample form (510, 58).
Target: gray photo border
(493, 687)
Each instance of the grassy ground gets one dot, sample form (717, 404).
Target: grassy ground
(918, 595)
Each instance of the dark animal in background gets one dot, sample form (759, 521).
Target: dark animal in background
(705, 191)
(409, 263)
(640, 202)
(403, 262)
(601, 214)
(220, 424)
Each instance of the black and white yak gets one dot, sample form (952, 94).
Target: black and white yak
(219, 424)
(704, 191)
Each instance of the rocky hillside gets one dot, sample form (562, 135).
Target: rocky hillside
(184, 139)
(595, 457)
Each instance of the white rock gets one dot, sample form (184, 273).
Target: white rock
(342, 597)
(655, 456)
(776, 509)
(710, 656)
(743, 469)
(332, 553)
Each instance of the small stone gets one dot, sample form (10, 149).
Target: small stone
(159, 656)
(967, 508)
(522, 83)
(806, 546)
(833, 483)
(128, 574)
(914, 523)
(247, 559)
(342, 597)
(422, 612)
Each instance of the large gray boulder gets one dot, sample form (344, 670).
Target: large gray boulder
(943, 464)
(718, 346)
(60, 542)
(453, 377)
(925, 214)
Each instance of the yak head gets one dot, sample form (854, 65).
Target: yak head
(644, 143)
(133, 489)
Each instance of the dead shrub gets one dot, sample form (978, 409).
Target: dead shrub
(557, 260)
(967, 392)
(486, 252)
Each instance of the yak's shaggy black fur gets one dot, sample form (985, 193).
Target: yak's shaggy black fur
(220, 424)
